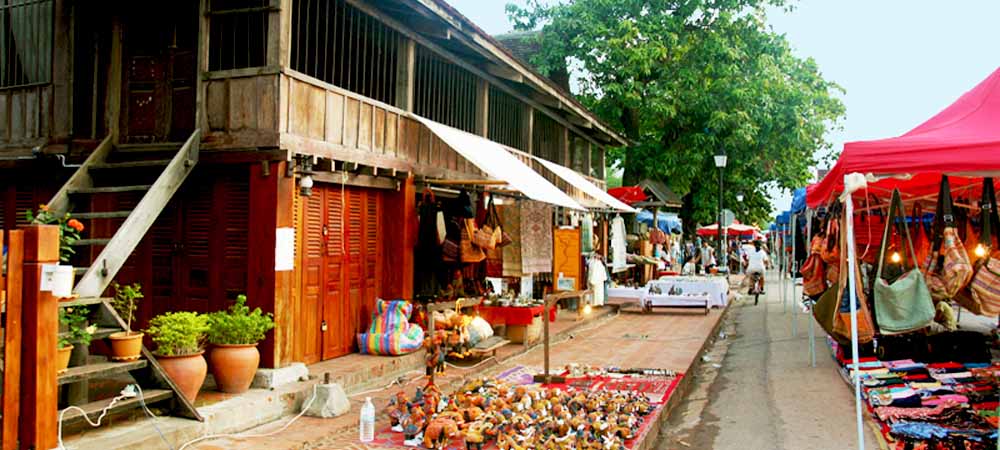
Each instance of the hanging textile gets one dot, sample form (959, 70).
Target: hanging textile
(597, 274)
(510, 216)
(430, 271)
(536, 237)
(618, 249)
(587, 234)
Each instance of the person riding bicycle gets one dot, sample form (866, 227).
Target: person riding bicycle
(757, 261)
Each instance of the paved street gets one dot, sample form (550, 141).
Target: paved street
(660, 339)
(765, 395)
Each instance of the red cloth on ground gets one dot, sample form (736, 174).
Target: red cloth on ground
(513, 315)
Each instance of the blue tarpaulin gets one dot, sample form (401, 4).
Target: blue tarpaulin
(784, 218)
(669, 223)
(798, 200)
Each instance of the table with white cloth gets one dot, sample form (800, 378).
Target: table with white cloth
(717, 288)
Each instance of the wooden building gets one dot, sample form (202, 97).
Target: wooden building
(179, 131)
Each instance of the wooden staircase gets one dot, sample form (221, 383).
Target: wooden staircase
(156, 172)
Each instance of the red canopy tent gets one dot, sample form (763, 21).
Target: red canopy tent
(963, 140)
(736, 229)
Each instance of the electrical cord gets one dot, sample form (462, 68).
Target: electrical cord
(142, 401)
(104, 412)
(305, 407)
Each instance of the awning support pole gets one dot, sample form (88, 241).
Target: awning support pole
(851, 285)
(812, 330)
(795, 263)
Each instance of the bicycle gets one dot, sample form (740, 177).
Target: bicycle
(756, 286)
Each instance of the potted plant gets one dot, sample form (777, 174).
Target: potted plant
(234, 335)
(74, 321)
(126, 345)
(179, 337)
(69, 233)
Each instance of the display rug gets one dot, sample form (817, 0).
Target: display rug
(536, 237)
(510, 218)
(514, 315)
(614, 409)
(928, 405)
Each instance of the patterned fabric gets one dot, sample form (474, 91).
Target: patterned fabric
(510, 216)
(391, 333)
(536, 237)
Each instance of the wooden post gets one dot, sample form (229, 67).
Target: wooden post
(551, 300)
(528, 130)
(40, 321)
(11, 286)
(405, 66)
(483, 108)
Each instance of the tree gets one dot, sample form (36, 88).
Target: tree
(683, 78)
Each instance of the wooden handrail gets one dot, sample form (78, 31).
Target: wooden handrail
(59, 204)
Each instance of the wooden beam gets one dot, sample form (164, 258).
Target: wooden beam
(284, 32)
(528, 130)
(40, 320)
(359, 180)
(114, 101)
(60, 123)
(503, 72)
(200, 115)
(482, 107)
(405, 66)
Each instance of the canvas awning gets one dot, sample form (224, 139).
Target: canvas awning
(581, 183)
(499, 164)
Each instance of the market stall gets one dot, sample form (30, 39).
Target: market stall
(900, 285)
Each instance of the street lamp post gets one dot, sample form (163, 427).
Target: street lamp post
(720, 162)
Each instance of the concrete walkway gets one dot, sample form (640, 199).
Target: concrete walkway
(764, 394)
(667, 340)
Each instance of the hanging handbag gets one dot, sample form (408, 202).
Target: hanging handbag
(494, 256)
(842, 316)
(469, 251)
(920, 242)
(948, 269)
(841, 321)
(830, 252)
(813, 270)
(985, 285)
(825, 309)
(905, 304)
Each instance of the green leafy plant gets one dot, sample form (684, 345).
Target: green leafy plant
(239, 325)
(77, 330)
(126, 301)
(178, 333)
(69, 229)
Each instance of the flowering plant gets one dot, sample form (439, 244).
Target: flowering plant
(69, 229)
(77, 330)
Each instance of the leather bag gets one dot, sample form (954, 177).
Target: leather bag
(948, 269)
(905, 304)
(842, 318)
(985, 285)
(830, 252)
(814, 270)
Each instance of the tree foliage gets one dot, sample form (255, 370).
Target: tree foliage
(682, 79)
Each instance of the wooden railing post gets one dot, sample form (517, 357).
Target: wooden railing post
(12, 287)
(39, 391)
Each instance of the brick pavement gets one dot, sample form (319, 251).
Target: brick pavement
(659, 339)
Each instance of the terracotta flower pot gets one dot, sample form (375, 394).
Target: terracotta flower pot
(187, 372)
(234, 366)
(126, 345)
(62, 359)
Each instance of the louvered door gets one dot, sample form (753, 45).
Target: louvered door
(340, 270)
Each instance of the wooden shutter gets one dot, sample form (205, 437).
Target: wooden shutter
(355, 261)
(336, 310)
(195, 268)
(372, 257)
(308, 337)
(235, 220)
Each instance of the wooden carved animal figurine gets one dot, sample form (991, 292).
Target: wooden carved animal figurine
(414, 423)
(475, 436)
(397, 408)
(439, 432)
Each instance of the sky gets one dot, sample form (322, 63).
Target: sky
(899, 61)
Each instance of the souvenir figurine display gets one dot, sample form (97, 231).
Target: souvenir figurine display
(520, 417)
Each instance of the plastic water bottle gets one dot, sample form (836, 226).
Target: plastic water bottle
(368, 421)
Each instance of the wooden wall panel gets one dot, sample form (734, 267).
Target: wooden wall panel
(365, 126)
(378, 130)
(351, 123)
(243, 101)
(334, 118)
(216, 104)
(17, 117)
(4, 115)
(267, 102)
(391, 124)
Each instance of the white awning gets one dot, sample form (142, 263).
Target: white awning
(585, 185)
(498, 163)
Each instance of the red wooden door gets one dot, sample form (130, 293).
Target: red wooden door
(341, 266)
